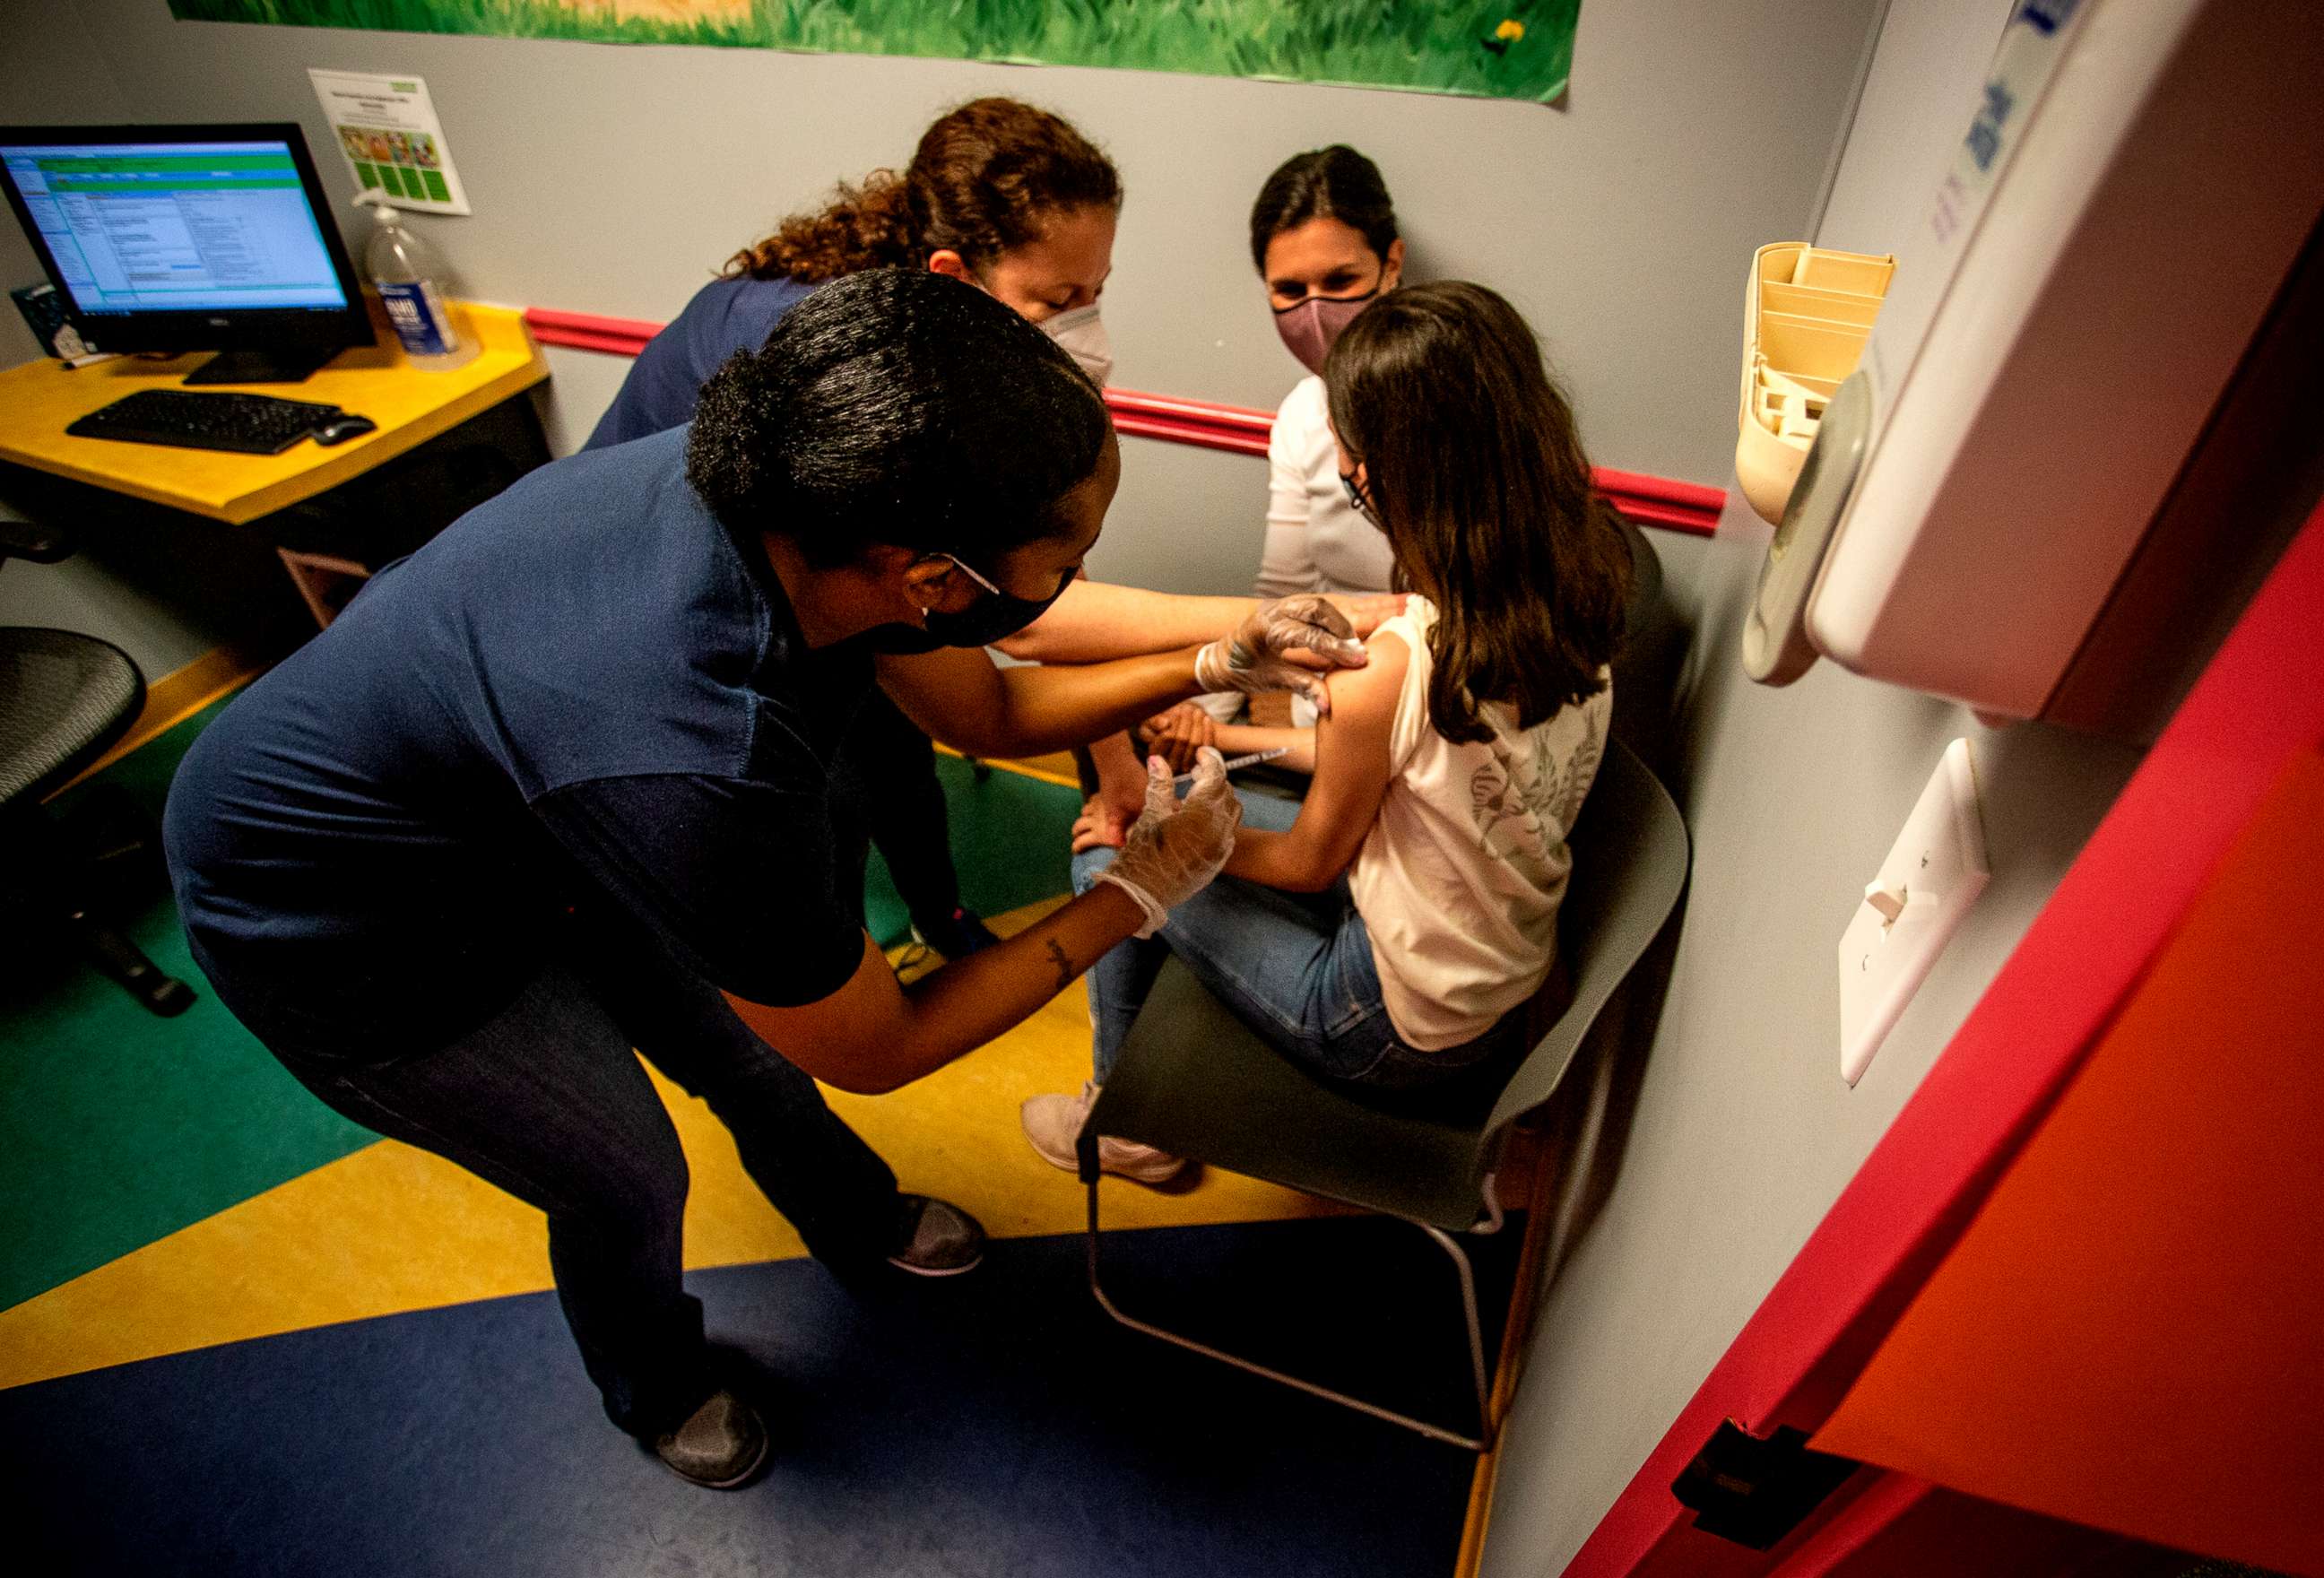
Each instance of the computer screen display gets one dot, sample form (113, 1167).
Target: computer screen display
(176, 227)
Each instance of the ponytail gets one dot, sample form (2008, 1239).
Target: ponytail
(987, 177)
(866, 227)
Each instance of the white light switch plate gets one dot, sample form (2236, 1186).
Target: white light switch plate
(1929, 880)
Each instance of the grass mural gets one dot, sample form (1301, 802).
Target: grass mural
(1497, 48)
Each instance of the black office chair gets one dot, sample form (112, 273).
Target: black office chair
(64, 697)
(1195, 1080)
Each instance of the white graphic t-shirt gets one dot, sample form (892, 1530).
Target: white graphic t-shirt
(1459, 880)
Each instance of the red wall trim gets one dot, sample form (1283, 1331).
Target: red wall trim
(1231, 428)
(617, 337)
(1661, 501)
(2259, 702)
(1651, 501)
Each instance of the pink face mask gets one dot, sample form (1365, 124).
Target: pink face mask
(1309, 329)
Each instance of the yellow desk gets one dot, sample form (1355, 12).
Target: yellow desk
(40, 399)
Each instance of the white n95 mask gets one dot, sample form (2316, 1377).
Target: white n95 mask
(1082, 337)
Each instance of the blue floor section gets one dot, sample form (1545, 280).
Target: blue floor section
(994, 1423)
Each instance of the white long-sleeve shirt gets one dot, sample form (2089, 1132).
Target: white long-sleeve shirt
(1317, 540)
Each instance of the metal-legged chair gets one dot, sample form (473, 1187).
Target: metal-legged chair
(1193, 1080)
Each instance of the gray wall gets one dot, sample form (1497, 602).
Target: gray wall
(1743, 1133)
(51, 69)
(613, 179)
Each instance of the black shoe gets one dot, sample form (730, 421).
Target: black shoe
(720, 1445)
(955, 936)
(944, 1242)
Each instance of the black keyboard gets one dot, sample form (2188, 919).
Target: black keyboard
(247, 424)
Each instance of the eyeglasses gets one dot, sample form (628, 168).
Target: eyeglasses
(1357, 500)
(1062, 581)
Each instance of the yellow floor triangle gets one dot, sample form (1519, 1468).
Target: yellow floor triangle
(390, 1229)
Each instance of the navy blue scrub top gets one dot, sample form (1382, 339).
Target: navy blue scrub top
(725, 316)
(583, 691)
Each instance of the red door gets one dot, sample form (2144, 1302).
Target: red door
(2078, 1286)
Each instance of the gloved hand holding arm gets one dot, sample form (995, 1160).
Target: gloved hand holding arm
(1287, 644)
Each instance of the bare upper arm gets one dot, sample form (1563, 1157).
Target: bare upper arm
(953, 694)
(1365, 698)
(1095, 622)
(839, 1038)
(1352, 761)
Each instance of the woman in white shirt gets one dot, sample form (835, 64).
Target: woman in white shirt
(1323, 238)
(1325, 242)
(1391, 932)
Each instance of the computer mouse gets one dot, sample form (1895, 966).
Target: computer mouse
(343, 427)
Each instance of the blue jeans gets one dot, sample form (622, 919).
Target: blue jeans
(546, 1101)
(1297, 968)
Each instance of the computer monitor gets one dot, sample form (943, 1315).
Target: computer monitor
(189, 238)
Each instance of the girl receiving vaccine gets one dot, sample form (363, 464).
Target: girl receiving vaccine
(1389, 930)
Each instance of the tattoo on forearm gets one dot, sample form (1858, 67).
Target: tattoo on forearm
(1065, 966)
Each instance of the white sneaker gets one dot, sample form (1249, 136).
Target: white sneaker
(1054, 1124)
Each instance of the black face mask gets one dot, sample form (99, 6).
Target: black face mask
(995, 616)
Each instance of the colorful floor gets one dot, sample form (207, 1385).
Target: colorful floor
(245, 1335)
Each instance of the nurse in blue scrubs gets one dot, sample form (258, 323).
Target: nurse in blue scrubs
(1012, 199)
(558, 785)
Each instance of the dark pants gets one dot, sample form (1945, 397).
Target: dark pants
(546, 1101)
(888, 770)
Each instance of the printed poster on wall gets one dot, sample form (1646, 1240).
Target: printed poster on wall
(1491, 48)
(386, 126)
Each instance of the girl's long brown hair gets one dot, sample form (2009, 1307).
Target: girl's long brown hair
(1476, 474)
(987, 177)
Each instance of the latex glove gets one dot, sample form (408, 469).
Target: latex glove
(1179, 735)
(1367, 612)
(1178, 847)
(1289, 644)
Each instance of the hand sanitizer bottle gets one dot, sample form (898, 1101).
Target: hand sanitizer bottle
(406, 271)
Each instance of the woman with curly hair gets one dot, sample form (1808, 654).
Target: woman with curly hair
(1007, 196)
(1012, 199)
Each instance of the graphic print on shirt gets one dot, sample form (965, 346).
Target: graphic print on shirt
(1525, 797)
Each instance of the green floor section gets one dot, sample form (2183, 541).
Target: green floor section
(118, 1128)
(1010, 838)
